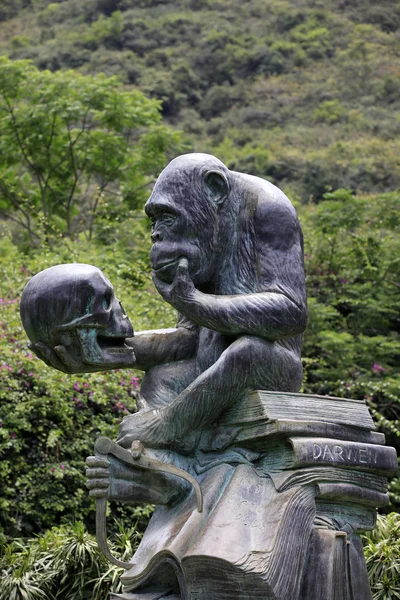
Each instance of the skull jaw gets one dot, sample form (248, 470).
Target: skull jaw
(112, 353)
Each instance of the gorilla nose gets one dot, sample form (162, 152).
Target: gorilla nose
(155, 236)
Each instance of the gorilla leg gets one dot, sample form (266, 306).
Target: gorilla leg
(249, 363)
(163, 383)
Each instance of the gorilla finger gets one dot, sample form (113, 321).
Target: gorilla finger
(137, 449)
(97, 462)
(162, 287)
(34, 348)
(93, 484)
(98, 493)
(48, 356)
(183, 266)
(95, 473)
(66, 359)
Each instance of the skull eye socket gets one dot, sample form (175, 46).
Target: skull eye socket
(106, 302)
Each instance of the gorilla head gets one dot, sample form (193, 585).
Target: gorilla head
(185, 211)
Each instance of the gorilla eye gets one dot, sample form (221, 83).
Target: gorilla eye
(168, 219)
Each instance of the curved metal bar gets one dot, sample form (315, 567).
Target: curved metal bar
(104, 446)
(101, 534)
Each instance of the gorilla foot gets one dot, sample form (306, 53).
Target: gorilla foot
(155, 429)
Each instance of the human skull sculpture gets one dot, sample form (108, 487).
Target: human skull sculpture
(75, 304)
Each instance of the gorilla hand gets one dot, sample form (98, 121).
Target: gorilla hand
(181, 293)
(111, 478)
(60, 358)
(116, 480)
(82, 351)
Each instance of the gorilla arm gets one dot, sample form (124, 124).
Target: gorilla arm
(270, 315)
(160, 346)
(277, 307)
(150, 348)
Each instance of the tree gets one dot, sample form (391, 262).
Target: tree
(66, 141)
(352, 344)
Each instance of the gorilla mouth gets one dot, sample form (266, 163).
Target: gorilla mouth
(167, 265)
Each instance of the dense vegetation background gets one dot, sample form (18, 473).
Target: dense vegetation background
(305, 93)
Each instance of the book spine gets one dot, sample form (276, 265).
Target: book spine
(347, 455)
(256, 433)
(347, 492)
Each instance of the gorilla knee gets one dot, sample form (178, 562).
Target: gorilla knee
(259, 364)
(283, 371)
(237, 361)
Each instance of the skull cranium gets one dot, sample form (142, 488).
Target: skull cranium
(72, 301)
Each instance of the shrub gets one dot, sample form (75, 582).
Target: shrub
(49, 420)
(67, 141)
(329, 111)
(352, 344)
(382, 553)
(65, 564)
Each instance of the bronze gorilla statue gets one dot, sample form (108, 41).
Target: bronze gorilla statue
(228, 255)
(246, 509)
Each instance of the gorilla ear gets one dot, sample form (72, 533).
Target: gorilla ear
(217, 186)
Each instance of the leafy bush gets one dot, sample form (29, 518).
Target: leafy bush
(329, 111)
(285, 65)
(67, 141)
(49, 420)
(352, 344)
(382, 553)
(64, 563)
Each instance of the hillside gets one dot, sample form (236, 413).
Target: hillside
(305, 93)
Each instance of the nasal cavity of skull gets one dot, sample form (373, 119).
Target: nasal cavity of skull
(106, 301)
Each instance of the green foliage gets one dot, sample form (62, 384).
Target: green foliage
(69, 141)
(329, 111)
(106, 30)
(315, 86)
(19, 41)
(64, 563)
(352, 344)
(382, 553)
(48, 420)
